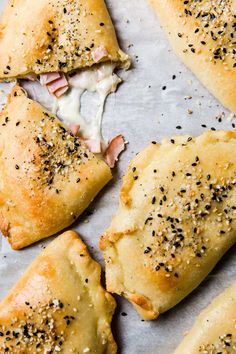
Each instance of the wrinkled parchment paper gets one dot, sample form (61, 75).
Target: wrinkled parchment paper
(143, 111)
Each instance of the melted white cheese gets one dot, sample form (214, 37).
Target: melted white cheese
(100, 79)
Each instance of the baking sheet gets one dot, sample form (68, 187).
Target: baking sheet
(143, 112)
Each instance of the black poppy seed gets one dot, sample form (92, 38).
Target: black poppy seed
(148, 219)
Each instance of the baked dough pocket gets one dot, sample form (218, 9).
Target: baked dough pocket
(69, 47)
(38, 37)
(58, 305)
(202, 34)
(214, 329)
(48, 176)
(175, 220)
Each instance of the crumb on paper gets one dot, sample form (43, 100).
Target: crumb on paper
(231, 117)
(220, 116)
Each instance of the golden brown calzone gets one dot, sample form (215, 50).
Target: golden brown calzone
(38, 37)
(48, 177)
(175, 220)
(215, 328)
(58, 305)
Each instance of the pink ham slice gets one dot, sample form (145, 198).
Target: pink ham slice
(99, 53)
(115, 147)
(50, 77)
(61, 91)
(56, 83)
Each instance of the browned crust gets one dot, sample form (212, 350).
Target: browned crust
(217, 75)
(32, 205)
(56, 36)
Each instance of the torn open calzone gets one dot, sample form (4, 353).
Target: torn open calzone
(48, 176)
(58, 305)
(57, 36)
(175, 220)
(70, 47)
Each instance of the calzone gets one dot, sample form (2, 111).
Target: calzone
(215, 328)
(48, 176)
(175, 220)
(59, 36)
(70, 47)
(58, 305)
(203, 34)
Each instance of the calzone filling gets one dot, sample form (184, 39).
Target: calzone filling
(67, 91)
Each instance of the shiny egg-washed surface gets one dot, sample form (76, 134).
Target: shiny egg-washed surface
(143, 112)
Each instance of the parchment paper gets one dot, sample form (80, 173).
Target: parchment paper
(143, 112)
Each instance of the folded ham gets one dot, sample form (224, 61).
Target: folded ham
(56, 83)
(114, 149)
